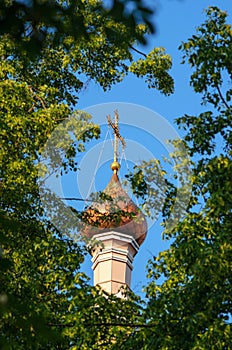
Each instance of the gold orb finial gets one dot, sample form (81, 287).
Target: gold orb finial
(115, 166)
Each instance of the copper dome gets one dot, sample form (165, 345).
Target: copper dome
(116, 213)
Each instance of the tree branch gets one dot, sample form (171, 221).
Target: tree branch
(130, 325)
(222, 98)
(76, 199)
(37, 97)
(136, 50)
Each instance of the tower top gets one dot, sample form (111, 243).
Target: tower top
(117, 222)
(119, 212)
(115, 166)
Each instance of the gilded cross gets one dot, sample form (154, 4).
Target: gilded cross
(115, 166)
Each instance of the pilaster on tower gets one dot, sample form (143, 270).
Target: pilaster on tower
(113, 264)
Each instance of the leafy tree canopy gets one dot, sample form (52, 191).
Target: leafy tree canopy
(189, 295)
(45, 299)
(31, 22)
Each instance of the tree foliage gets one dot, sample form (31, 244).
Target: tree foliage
(189, 295)
(45, 299)
(31, 22)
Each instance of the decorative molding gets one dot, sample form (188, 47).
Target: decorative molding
(99, 257)
(117, 235)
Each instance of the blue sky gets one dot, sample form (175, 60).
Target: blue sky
(175, 22)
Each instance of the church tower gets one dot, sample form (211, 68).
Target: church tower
(117, 226)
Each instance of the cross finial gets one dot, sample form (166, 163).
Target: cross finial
(115, 166)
